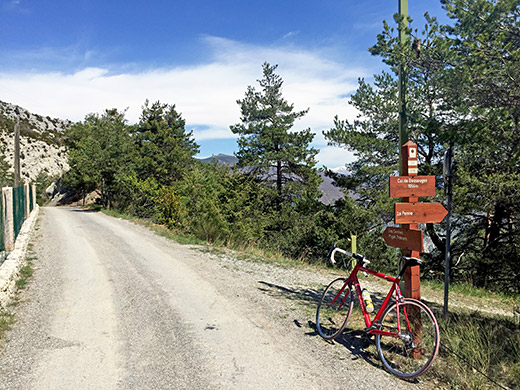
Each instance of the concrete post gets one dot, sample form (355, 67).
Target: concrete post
(17, 176)
(7, 197)
(26, 195)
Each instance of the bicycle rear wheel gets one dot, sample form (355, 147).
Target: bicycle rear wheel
(334, 309)
(416, 344)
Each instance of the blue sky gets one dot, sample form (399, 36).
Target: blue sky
(69, 58)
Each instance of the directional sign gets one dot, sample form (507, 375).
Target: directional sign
(412, 186)
(419, 213)
(404, 238)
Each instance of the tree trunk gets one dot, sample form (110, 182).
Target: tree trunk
(279, 185)
(279, 177)
(495, 221)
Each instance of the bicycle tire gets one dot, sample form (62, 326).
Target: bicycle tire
(334, 310)
(411, 354)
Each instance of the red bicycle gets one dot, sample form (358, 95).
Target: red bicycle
(405, 329)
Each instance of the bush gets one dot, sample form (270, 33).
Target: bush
(138, 197)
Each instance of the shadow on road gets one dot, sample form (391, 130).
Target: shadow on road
(76, 210)
(355, 340)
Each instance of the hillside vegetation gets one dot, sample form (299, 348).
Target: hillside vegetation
(463, 90)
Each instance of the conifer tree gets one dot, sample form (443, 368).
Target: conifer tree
(165, 149)
(99, 154)
(268, 147)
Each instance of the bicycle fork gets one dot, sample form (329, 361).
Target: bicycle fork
(339, 294)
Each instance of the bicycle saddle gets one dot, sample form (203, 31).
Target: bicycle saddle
(412, 260)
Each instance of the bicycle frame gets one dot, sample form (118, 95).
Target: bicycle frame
(394, 288)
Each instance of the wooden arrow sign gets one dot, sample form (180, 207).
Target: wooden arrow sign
(412, 186)
(419, 213)
(404, 238)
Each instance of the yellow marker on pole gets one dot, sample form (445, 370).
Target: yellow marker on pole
(353, 243)
(353, 248)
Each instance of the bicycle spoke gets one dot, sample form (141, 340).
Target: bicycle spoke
(412, 352)
(334, 309)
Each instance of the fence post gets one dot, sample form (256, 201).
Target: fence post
(34, 195)
(26, 194)
(7, 195)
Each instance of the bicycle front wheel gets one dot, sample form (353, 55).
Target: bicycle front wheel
(334, 309)
(415, 343)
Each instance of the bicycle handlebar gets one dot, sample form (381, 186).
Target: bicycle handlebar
(409, 261)
(359, 258)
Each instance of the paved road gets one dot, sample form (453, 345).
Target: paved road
(113, 306)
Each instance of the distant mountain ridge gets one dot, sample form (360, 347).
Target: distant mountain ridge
(330, 193)
(222, 159)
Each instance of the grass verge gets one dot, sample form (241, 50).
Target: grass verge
(26, 272)
(468, 290)
(6, 320)
(478, 352)
(181, 238)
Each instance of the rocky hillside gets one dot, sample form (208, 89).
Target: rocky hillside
(41, 146)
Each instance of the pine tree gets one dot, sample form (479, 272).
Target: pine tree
(165, 149)
(267, 146)
(99, 154)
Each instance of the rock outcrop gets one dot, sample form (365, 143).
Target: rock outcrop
(41, 142)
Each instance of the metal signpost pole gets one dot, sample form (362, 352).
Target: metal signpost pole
(448, 168)
(403, 35)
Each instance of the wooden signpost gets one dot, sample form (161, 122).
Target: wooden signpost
(406, 186)
(410, 212)
(404, 238)
(419, 212)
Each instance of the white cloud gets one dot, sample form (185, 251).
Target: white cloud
(206, 94)
(334, 157)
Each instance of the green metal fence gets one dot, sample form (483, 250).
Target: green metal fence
(20, 198)
(18, 209)
(2, 245)
(31, 205)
